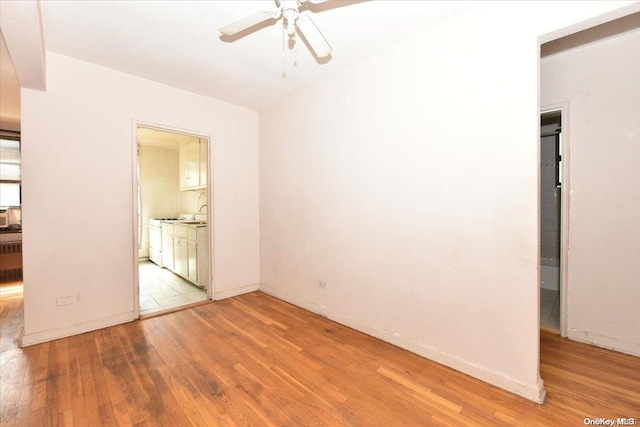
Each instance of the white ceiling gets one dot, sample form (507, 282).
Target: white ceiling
(178, 43)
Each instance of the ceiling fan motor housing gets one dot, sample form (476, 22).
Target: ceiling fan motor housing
(291, 13)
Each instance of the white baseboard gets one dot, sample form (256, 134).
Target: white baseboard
(79, 328)
(627, 347)
(228, 293)
(534, 392)
(53, 334)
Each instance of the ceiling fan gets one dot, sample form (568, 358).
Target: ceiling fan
(293, 19)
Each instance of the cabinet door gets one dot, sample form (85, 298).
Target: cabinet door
(167, 246)
(194, 163)
(203, 257)
(155, 238)
(184, 167)
(203, 162)
(193, 262)
(155, 245)
(181, 256)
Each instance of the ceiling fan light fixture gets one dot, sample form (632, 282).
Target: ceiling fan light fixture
(290, 13)
(292, 21)
(291, 27)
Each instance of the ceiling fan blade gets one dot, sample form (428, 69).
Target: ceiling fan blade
(246, 22)
(313, 36)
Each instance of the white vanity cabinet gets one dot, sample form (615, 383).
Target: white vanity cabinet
(193, 164)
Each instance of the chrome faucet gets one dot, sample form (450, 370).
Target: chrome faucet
(200, 210)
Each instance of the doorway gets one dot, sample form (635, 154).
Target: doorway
(551, 209)
(172, 235)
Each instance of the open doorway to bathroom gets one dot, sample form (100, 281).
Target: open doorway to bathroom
(172, 220)
(551, 151)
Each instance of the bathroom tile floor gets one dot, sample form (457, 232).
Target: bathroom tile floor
(160, 289)
(550, 309)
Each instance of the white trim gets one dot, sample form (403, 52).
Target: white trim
(210, 220)
(534, 392)
(229, 293)
(79, 328)
(134, 223)
(611, 343)
(210, 285)
(564, 108)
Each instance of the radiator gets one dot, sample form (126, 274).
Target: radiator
(10, 261)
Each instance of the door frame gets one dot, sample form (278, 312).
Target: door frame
(210, 206)
(563, 108)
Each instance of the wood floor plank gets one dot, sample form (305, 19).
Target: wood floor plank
(254, 360)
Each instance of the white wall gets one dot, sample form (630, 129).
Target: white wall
(159, 187)
(409, 183)
(192, 200)
(78, 145)
(601, 82)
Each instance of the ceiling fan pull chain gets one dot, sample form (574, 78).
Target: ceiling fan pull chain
(295, 50)
(284, 61)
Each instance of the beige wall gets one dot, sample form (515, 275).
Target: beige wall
(191, 201)
(601, 83)
(409, 183)
(160, 187)
(78, 159)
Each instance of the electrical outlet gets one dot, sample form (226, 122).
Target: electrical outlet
(323, 284)
(65, 300)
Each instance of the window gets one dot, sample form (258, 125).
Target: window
(10, 171)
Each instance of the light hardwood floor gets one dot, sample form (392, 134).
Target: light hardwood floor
(255, 360)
